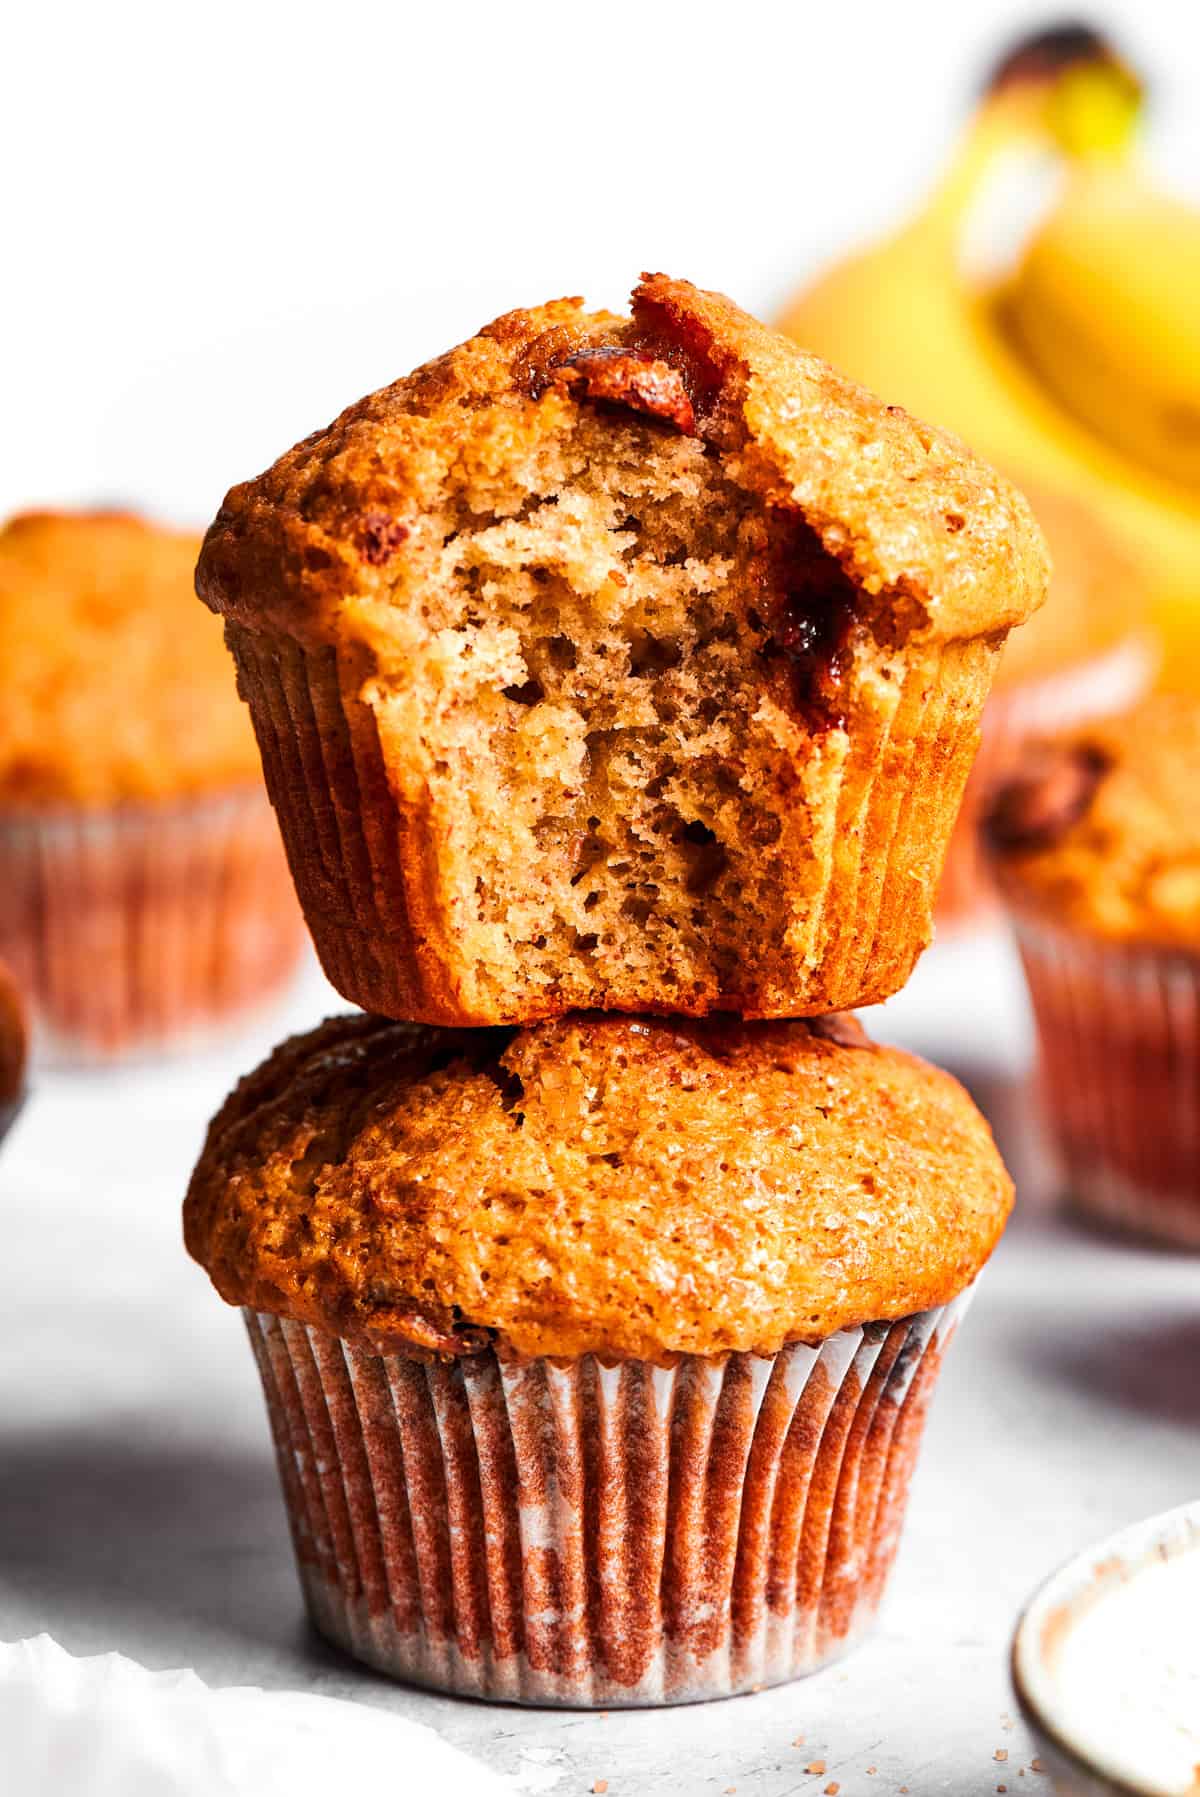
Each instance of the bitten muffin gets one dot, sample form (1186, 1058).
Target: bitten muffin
(632, 663)
(14, 1035)
(1088, 653)
(596, 1353)
(145, 891)
(1096, 843)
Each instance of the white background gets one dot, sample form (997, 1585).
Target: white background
(226, 221)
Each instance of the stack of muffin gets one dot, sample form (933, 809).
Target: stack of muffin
(616, 682)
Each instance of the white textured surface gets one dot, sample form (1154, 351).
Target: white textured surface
(106, 1727)
(138, 1501)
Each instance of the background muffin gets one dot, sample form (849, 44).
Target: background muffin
(144, 888)
(1096, 843)
(596, 1353)
(1087, 653)
(621, 662)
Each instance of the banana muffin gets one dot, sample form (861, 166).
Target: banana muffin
(13, 1049)
(1088, 653)
(629, 663)
(1096, 844)
(596, 1353)
(145, 890)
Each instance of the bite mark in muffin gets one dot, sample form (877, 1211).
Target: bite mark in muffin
(664, 701)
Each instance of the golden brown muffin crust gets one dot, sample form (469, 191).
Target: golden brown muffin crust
(1097, 598)
(114, 685)
(905, 509)
(597, 1184)
(1101, 829)
(620, 663)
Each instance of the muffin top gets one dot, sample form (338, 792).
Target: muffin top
(114, 684)
(1097, 599)
(1100, 829)
(629, 1187)
(360, 512)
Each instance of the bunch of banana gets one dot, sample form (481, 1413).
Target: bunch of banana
(1077, 366)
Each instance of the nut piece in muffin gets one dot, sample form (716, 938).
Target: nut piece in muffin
(1095, 839)
(145, 890)
(1088, 653)
(620, 662)
(597, 1353)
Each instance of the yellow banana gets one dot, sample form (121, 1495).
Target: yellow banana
(906, 318)
(1105, 305)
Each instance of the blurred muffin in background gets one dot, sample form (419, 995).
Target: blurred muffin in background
(1096, 843)
(13, 1049)
(1087, 654)
(144, 892)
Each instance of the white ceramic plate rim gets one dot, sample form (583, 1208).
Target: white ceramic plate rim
(1164, 1536)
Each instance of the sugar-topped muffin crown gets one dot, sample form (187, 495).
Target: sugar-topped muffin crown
(632, 1188)
(904, 509)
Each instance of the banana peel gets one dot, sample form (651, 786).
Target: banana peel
(1078, 370)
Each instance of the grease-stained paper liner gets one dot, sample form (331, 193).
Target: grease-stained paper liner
(1119, 1066)
(359, 859)
(145, 926)
(1096, 688)
(106, 1727)
(579, 1534)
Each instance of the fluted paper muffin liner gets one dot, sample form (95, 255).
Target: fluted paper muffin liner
(1096, 688)
(357, 861)
(144, 927)
(1119, 1067)
(580, 1534)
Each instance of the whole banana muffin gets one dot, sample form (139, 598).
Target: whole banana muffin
(620, 662)
(597, 1353)
(145, 893)
(1095, 839)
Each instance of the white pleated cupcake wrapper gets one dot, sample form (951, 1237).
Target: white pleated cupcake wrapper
(1119, 1037)
(588, 1535)
(106, 1727)
(144, 927)
(1097, 688)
